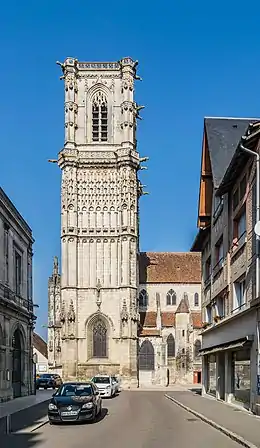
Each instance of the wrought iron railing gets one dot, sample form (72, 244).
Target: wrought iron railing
(11, 296)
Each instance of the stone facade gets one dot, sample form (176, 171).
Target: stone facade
(228, 247)
(93, 303)
(170, 317)
(16, 305)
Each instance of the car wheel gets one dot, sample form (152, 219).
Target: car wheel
(100, 410)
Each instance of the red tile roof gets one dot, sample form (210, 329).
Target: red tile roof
(149, 332)
(196, 320)
(170, 267)
(168, 319)
(148, 319)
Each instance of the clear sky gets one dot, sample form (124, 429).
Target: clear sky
(196, 58)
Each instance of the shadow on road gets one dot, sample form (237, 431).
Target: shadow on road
(29, 440)
(195, 390)
(24, 418)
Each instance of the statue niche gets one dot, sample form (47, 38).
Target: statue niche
(71, 317)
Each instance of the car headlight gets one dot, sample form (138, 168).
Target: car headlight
(52, 407)
(87, 406)
(108, 387)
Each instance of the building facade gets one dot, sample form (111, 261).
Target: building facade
(227, 241)
(93, 303)
(99, 234)
(16, 304)
(40, 353)
(170, 318)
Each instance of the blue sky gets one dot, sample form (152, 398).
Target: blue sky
(196, 59)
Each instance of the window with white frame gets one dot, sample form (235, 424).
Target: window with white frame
(239, 294)
(220, 306)
(239, 227)
(209, 314)
(99, 118)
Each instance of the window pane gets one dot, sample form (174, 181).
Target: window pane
(241, 227)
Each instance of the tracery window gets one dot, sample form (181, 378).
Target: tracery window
(99, 118)
(171, 297)
(196, 299)
(99, 339)
(143, 298)
(170, 346)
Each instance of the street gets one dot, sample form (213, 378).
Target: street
(139, 419)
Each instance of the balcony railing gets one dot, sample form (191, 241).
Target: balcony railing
(11, 296)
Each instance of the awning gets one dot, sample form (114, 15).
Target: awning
(233, 345)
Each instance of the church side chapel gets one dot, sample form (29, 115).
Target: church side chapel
(110, 311)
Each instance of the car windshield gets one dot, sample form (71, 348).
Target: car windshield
(45, 375)
(75, 390)
(101, 379)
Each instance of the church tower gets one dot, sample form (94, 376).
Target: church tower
(98, 314)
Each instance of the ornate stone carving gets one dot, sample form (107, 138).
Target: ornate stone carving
(124, 312)
(71, 313)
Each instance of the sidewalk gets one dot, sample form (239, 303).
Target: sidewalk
(18, 404)
(237, 421)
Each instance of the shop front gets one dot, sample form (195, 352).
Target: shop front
(229, 366)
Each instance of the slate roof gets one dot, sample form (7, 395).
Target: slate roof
(223, 136)
(170, 267)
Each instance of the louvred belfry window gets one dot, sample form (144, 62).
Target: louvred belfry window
(99, 118)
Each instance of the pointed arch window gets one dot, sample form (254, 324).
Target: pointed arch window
(196, 299)
(99, 339)
(171, 297)
(99, 118)
(143, 298)
(171, 346)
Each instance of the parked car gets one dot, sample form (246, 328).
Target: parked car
(75, 402)
(117, 383)
(105, 384)
(46, 381)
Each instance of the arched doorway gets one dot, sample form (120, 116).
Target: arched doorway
(146, 356)
(17, 363)
(146, 363)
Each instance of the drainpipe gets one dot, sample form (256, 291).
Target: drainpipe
(253, 153)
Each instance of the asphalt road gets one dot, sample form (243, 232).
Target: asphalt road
(133, 419)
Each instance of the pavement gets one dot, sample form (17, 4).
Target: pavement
(12, 406)
(143, 419)
(233, 420)
(24, 412)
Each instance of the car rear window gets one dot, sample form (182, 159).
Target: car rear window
(101, 379)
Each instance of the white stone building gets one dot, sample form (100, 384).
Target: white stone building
(93, 304)
(16, 305)
(40, 352)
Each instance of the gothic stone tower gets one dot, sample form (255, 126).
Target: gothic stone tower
(98, 315)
